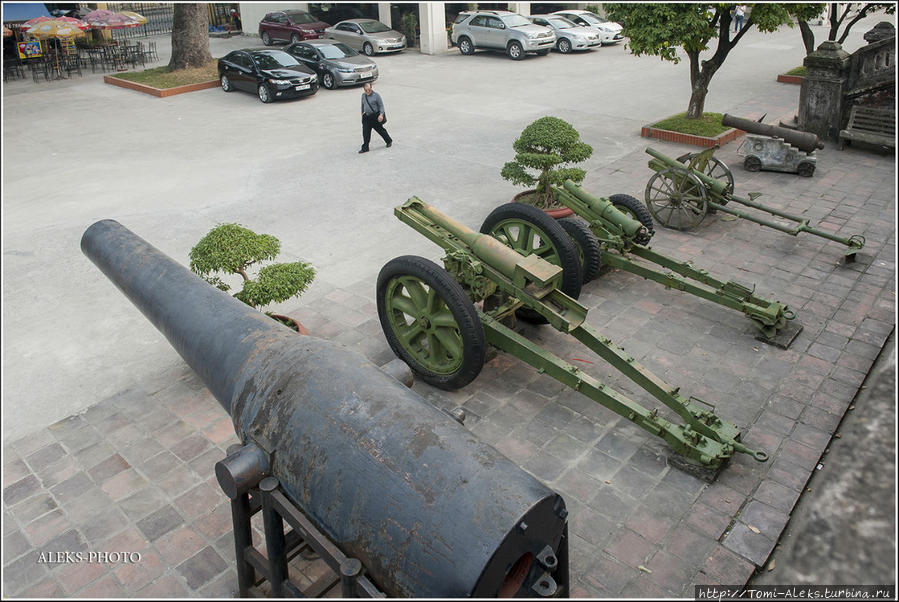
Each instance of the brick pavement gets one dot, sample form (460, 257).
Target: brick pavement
(134, 473)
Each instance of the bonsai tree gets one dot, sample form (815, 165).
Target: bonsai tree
(547, 146)
(232, 249)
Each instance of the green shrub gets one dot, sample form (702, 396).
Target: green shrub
(232, 249)
(708, 125)
(547, 146)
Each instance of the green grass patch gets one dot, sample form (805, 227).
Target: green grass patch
(161, 77)
(800, 71)
(708, 125)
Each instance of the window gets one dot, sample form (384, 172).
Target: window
(516, 20)
(494, 23)
(345, 27)
(305, 52)
(336, 51)
(479, 21)
(461, 17)
(539, 21)
(242, 60)
(373, 27)
(300, 17)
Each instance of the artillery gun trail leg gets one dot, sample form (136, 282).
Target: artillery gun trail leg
(429, 322)
(587, 246)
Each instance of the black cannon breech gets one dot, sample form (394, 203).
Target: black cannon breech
(428, 509)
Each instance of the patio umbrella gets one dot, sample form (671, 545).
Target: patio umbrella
(54, 28)
(76, 22)
(35, 21)
(142, 20)
(106, 19)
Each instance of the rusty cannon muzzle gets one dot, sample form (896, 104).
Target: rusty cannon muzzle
(428, 509)
(804, 141)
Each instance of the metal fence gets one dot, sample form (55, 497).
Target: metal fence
(159, 19)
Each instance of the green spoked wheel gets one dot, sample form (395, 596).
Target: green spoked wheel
(676, 199)
(717, 169)
(430, 323)
(529, 230)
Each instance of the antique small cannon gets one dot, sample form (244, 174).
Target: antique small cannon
(394, 482)
(684, 190)
(614, 232)
(430, 321)
(775, 148)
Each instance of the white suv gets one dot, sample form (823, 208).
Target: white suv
(502, 30)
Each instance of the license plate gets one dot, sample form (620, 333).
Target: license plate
(364, 74)
(302, 87)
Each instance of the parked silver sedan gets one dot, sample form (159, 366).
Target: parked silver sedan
(367, 36)
(336, 64)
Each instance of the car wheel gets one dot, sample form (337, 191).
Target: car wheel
(465, 46)
(516, 52)
(265, 95)
(294, 38)
(368, 49)
(266, 38)
(328, 80)
(226, 84)
(564, 46)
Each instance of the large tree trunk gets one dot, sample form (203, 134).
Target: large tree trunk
(808, 37)
(190, 36)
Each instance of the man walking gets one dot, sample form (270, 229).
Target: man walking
(373, 117)
(739, 13)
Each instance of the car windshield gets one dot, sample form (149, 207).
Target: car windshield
(274, 59)
(373, 27)
(301, 17)
(561, 23)
(590, 18)
(515, 21)
(336, 51)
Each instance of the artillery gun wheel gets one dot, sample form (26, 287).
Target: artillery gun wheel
(529, 230)
(676, 199)
(430, 323)
(637, 210)
(752, 163)
(718, 170)
(806, 169)
(587, 245)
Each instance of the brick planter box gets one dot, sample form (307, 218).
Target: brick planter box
(159, 92)
(789, 79)
(669, 136)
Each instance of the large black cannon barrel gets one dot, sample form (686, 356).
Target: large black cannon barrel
(428, 509)
(804, 141)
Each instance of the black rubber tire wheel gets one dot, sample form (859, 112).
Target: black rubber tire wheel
(368, 49)
(752, 163)
(515, 51)
(564, 46)
(226, 83)
(806, 169)
(636, 210)
(328, 80)
(465, 46)
(294, 38)
(266, 38)
(587, 245)
(555, 242)
(264, 93)
(444, 295)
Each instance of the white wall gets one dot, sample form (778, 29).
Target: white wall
(251, 13)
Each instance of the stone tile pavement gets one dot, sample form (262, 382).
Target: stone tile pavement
(134, 473)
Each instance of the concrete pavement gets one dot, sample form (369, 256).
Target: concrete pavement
(170, 169)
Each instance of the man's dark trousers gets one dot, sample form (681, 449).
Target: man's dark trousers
(369, 123)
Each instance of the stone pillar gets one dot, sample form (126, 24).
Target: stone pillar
(821, 95)
(384, 14)
(432, 22)
(522, 8)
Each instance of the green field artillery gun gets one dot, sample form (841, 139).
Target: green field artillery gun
(620, 223)
(430, 320)
(684, 190)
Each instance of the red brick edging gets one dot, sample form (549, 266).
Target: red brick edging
(159, 92)
(789, 79)
(669, 136)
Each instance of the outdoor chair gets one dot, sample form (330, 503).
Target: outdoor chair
(72, 64)
(12, 68)
(151, 51)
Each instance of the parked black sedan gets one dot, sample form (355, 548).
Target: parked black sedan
(272, 74)
(336, 63)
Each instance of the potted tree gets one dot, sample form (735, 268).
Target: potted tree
(546, 147)
(232, 249)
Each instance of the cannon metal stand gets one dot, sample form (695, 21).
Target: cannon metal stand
(430, 321)
(255, 570)
(681, 193)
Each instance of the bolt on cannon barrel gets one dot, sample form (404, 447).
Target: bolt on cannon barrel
(390, 479)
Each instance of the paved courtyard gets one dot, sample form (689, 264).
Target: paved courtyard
(110, 439)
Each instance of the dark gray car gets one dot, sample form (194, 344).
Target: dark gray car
(367, 36)
(336, 63)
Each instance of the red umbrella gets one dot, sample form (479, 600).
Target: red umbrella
(35, 21)
(75, 22)
(107, 19)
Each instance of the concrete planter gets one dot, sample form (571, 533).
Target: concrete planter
(669, 136)
(159, 92)
(553, 213)
(789, 79)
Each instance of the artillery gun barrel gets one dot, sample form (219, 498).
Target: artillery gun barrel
(804, 141)
(605, 209)
(428, 509)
